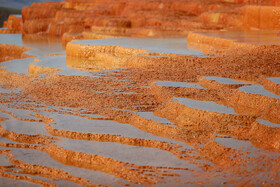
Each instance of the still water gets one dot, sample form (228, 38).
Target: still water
(112, 127)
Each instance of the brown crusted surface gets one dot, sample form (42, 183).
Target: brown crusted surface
(104, 94)
(42, 171)
(146, 18)
(119, 95)
(10, 52)
(68, 37)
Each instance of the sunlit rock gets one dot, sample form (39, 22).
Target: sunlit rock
(33, 69)
(90, 51)
(14, 23)
(10, 52)
(263, 17)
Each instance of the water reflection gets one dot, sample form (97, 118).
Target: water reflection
(252, 37)
(126, 120)
(152, 45)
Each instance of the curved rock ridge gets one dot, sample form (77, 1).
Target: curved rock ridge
(43, 171)
(110, 115)
(214, 43)
(91, 51)
(34, 69)
(11, 52)
(194, 132)
(68, 37)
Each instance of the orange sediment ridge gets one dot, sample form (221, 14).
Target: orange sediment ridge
(10, 52)
(171, 147)
(265, 137)
(219, 143)
(269, 85)
(78, 159)
(212, 43)
(68, 37)
(90, 51)
(199, 130)
(39, 170)
(111, 166)
(33, 69)
(259, 105)
(22, 138)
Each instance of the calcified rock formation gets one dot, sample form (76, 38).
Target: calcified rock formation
(145, 18)
(13, 25)
(10, 52)
(211, 44)
(67, 37)
(134, 90)
(33, 69)
(45, 131)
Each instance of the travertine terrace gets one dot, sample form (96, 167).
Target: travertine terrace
(84, 102)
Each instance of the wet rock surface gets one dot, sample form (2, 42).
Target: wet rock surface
(114, 112)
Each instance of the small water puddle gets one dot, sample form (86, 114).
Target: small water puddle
(5, 91)
(59, 62)
(233, 143)
(4, 161)
(179, 84)
(16, 183)
(125, 153)
(206, 105)
(258, 89)
(275, 79)
(224, 80)
(40, 158)
(12, 39)
(268, 123)
(69, 123)
(18, 65)
(19, 113)
(25, 127)
(151, 116)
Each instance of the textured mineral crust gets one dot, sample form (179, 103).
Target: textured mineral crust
(145, 18)
(135, 117)
(10, 52)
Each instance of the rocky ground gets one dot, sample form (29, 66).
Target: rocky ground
(142, 117)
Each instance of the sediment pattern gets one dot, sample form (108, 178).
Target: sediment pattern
(145, 18)
(217, 122)
(191, 134)
(10, 52)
